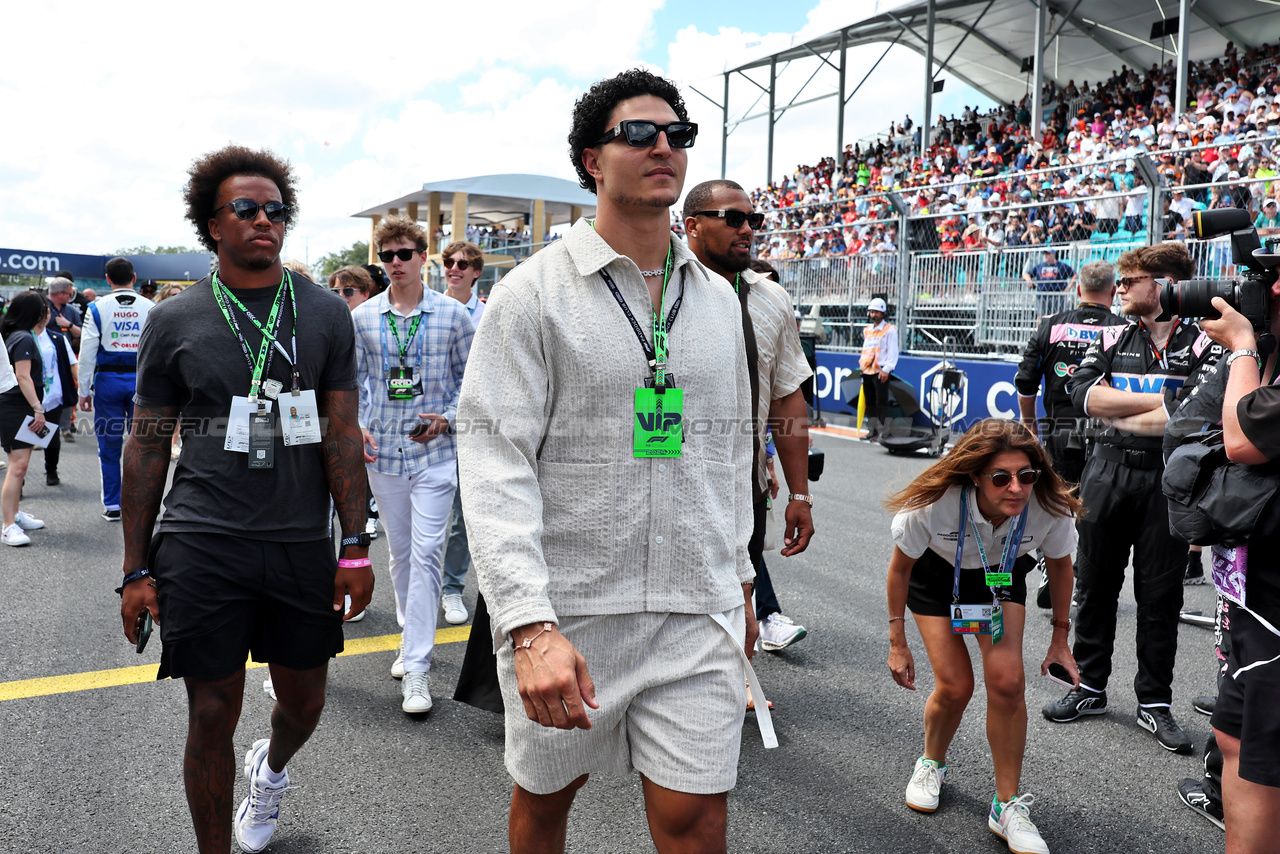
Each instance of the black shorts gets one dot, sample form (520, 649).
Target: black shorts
(12, 414)
(932, 578)
(222, 598)
(1247, 703)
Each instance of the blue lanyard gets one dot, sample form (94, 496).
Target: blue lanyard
(1010, 550)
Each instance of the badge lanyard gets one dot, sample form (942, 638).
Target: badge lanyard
(402, 347)
(656, 354)
(260, 366)
(1162, 358)
(1007, 559)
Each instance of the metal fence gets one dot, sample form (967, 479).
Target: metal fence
(980, 302)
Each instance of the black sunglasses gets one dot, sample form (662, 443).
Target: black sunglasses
(462, 264)
(643, 133)
(348, 291)
(386, 255)
(248, 209)
(1001, 479)
(735, 219)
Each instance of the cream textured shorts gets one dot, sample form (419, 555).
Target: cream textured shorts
(672, 696)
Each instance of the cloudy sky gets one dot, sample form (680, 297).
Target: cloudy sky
(108, 107)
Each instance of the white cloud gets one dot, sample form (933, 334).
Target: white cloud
(102, 129)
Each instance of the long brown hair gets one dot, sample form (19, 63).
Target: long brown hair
(984, 441)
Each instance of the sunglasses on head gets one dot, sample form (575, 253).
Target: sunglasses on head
(348, 291)
(643, 133)
(1001, 479)
(461, 264)
(248, 209)
(735, 219)
(386, 255)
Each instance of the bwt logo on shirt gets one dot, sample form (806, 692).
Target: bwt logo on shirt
(1146, 383)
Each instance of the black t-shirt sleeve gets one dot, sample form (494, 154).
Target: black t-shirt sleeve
(340, 370)
(157, 384)
(23, 348)
(1259, 414)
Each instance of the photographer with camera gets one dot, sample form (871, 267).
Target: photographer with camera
(1244, 720)
(1130, 377)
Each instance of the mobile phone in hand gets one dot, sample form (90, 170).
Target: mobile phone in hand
(144, 629)
(1059, 674)
(419, 429)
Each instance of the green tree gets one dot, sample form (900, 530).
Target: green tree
(358, 253)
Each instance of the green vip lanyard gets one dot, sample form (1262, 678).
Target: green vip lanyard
(403, 346)
(262, 364)
(660, 330)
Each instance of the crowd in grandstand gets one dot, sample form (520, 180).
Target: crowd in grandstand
(987, 183)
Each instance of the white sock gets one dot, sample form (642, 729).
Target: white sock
(271, 778)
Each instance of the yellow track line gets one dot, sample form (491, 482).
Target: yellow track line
(46, 685)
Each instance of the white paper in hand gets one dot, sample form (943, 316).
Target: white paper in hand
(41, 439)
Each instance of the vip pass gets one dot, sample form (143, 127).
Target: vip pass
(659, 406)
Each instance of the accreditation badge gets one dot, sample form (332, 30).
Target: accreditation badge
(237, 439)
(658, 430)
(262, 439)
(300, 418)
(402, 385)
(985, 619)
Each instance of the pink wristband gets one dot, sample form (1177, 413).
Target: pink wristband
(354, 564)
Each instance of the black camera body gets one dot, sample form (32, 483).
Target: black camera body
(1250, 295)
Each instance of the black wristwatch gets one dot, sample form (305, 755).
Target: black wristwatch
(361, 540)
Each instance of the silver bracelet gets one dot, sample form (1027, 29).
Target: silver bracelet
(1236, 354)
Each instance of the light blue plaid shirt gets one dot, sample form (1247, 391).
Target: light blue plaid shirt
(438, 356)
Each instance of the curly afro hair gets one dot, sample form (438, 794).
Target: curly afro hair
(592, 110)
(207, 174)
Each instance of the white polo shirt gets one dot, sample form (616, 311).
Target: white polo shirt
(937, 527)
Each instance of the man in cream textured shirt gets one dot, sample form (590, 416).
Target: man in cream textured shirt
(607, 488)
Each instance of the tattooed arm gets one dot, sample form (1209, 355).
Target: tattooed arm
(146, 466)
(343, 449)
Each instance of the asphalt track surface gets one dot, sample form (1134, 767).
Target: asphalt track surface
(99, 770)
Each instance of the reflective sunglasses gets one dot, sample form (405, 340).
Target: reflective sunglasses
(462, 265)
(386, 255)
(348, 291)
(643, 133)
(248, 209)
(735, 219)
(1127, 282)
(1001, 479)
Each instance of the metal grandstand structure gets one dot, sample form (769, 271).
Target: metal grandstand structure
(992, 46)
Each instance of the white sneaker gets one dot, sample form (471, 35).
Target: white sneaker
(397, 666)
(1015, 828)
(454, 610)
(777, 631)
(269, 689)
(14, 536)
(256, 819)
(346, 606)
(926, 785)
(417, 692)
(26, 521)
(371, 527)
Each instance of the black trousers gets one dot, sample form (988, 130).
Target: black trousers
(877, 397)
(53, 453)
(1212, 782)
(1127, 511)
(766, 599)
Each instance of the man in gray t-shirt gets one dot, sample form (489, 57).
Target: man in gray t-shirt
(242, 563)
